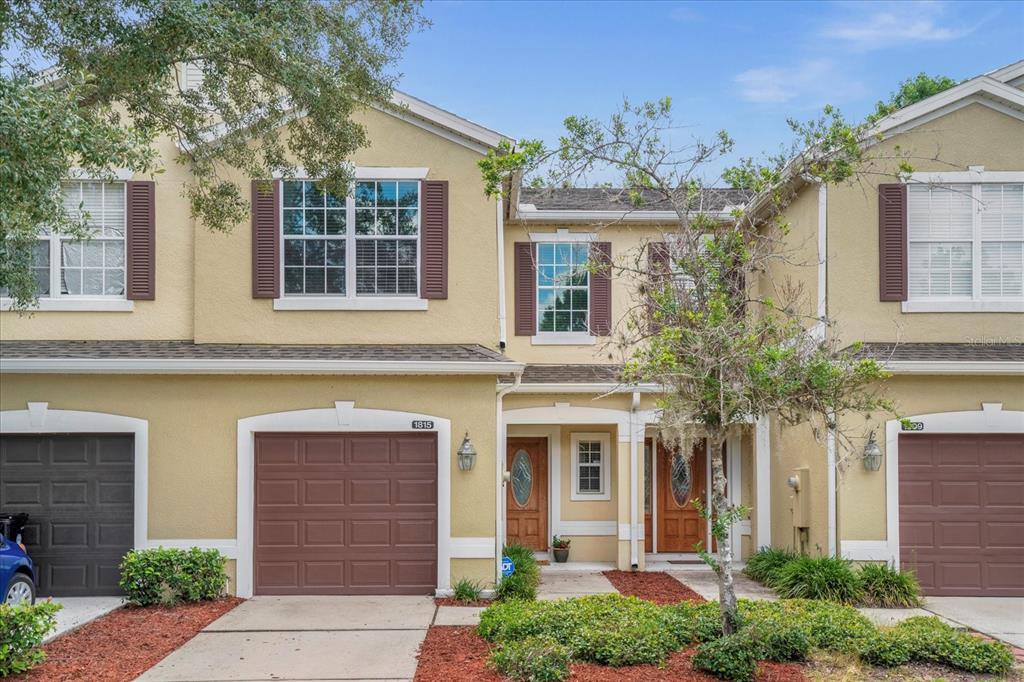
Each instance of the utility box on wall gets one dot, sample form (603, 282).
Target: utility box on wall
(800, 482)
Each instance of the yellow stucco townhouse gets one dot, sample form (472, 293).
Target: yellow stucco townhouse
(369, 394)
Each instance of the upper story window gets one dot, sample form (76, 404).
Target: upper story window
(65, 267)
(966, 242)
(362, 245)
(563, 287)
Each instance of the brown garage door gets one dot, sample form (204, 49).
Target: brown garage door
(344, 513)
(79, 493)
(962, 513)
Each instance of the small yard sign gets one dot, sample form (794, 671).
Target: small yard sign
(507, 567)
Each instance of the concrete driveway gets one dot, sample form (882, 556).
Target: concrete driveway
(998, 617)
(305, 638)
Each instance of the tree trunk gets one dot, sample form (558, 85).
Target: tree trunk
(722, 510)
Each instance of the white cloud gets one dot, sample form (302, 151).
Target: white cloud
(778, 84)
(896, 25)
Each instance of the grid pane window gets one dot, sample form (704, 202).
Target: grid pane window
(966, 241)
(315, 225)
(94, 267)
(589, 462)
(387, 217)
(563, 287)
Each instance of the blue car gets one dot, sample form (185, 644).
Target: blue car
(17, 575)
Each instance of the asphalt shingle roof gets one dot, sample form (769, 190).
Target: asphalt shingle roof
(188, 350)
(571, 374)
(614, 199)
(944, 352)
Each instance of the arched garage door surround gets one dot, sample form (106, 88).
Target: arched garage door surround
(343, 417)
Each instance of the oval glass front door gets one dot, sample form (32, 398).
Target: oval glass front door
(522, 477)
(682, 480)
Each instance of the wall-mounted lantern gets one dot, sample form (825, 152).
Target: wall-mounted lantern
(872, 454)
(466, 454)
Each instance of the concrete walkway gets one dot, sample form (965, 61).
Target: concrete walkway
(77, 611)
(557, 582)
(704, 582)
(998, 617)
(305, 638)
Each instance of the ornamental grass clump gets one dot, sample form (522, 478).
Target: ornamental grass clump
(766, 563)
(467, 591)
(824, 577)
(887, 587)
(525, 579)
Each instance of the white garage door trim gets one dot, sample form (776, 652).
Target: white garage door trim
(40, 419)
(991, 418)
(343, 417)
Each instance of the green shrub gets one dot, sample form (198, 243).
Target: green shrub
(534, 659)
(733, 657)
(828, 578)
(467, 590)
(930, 639)
(776, 641)
(887, 587)
(765, 564)
(829, 626)
(168, 576)
(523, 582)
(977, 655)
(24, 628)
(694, 621)
(886, 650)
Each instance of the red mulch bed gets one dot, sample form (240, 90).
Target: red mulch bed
(125, 643)
(458, 653)
(452, 601)
(655, 586)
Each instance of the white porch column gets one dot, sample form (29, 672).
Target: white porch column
(636, 429)
(763, 482)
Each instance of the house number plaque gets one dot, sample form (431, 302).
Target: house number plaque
(422, 424)
(912, 426)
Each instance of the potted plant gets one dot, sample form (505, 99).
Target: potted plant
(561, 548)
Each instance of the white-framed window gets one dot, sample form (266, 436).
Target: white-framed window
(591, 466)
(965, 246)
(360, 250)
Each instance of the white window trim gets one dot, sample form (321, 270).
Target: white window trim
(606, 491)
(563, 339)
(563, 235)
(76, 304)
(975, 176)
(351, 301)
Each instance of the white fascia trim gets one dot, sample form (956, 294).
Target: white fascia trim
(1008, 73)
(247, 366)
(342, 417)
(954, 367)
(472, 548)
(228, 546)
(966, 306)
(75, 305)
(972, 175)
(357, 303)
(122, 174)
(950, 100)
(587, 388)
(563, 339)
(606, 466)
(364, 173)
(563, 235)
(991, 418)
(529, 213)
(446, 119)
(38, 418)
(593, 528)
(564, 413)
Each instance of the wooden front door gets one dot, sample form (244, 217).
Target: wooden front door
(526, 499)
(680, 481)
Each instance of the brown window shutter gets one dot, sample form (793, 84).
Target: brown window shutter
(601, 289)
(892, 242)
(526, 289)
(266, 249)
(140, 241)
(434, 256)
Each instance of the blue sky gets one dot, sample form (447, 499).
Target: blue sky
(521, 67)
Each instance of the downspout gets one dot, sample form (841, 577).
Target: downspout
(500, 222)
(499, 470)
(634, 483)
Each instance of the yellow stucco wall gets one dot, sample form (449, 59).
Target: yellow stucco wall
(192, 435)
(972, 136)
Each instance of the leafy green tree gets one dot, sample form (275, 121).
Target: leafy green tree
(93, 85)
(710, 319)
(922, 86)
